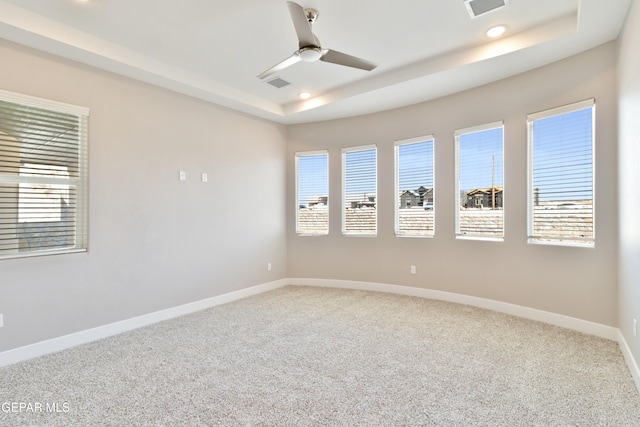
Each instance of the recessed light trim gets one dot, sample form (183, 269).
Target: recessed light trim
(304, 95)
(496, 31)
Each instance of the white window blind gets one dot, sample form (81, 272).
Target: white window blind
(479, 184)
(312, 191)
(415, 201)
(561, 186)
(43, 176)
(359, 191)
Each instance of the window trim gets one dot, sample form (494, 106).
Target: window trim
(557, 111)
(396, 149)
(81, 235)
(297, 184)
(344, 188)
(457, 133)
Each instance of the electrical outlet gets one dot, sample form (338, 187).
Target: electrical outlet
(205, 177)
(635, 328)
(413, 269)
(268, 266)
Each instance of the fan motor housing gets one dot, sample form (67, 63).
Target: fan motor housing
(310, 54)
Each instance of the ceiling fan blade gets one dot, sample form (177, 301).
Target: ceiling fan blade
(340, 58)
(281, 66)
(303, 28)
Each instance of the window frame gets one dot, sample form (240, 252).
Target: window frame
(554, 112)
(298, 155)
(457, 134)
(81, 182)
(396, 145)
(345, 151)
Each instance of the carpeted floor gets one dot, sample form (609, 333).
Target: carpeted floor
(303, 356)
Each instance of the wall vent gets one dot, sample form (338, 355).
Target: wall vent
(480, 7)
(278, 82)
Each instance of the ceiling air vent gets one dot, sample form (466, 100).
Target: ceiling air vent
(480, 7)
(278, 82)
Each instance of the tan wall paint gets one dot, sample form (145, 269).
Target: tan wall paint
(155, 242)
(629, 155)
(577, 282)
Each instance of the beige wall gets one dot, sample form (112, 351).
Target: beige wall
(155, 242)
(629, 154)
(577, 282)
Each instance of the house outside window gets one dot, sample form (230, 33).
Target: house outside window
(359, 191)
(479, 182)
(312, 193)
(414, 183)
(43, 176)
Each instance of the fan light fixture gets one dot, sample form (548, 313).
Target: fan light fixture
(496, 31)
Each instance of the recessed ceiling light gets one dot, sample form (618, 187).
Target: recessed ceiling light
(304, 95)
(496, 31)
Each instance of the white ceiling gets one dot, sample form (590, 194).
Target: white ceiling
(214, 49)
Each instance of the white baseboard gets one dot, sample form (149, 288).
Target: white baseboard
(584, 326)
(628, 357)
(67, 341)
(57, 344)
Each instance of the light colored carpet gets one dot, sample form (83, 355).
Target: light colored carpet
(302, 356)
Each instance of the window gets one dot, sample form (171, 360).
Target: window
(312, 189)
(359, 191)
(43, 176)
(561, 175)
(414, 187)
(479, 188)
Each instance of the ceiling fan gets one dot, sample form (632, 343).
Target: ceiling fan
(309, 45)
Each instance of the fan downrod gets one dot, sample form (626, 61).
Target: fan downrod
(311, 15)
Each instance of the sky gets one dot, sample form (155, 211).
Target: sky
(313, 178)
(563, 159)
(480, 159)
(562, 162)
(360, 172)
(415, 163)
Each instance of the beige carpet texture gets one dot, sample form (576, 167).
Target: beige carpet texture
(307, 356)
